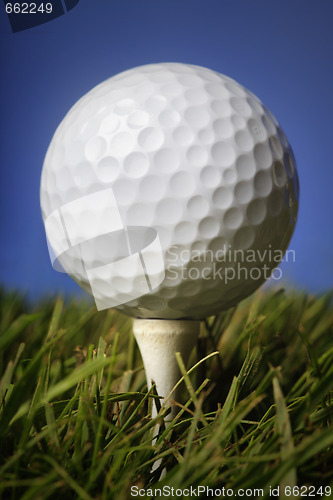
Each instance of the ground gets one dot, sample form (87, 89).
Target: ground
(255, 416)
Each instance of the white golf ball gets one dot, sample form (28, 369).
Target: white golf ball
(169, 191)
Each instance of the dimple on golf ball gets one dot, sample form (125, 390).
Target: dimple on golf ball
(169, 191)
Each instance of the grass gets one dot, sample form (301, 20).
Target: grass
(256, 408)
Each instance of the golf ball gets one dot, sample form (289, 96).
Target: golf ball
(169, 191)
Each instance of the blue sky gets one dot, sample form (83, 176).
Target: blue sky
(280, 50)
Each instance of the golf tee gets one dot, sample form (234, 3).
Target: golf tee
(158, 341)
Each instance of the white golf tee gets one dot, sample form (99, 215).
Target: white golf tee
(158, 341)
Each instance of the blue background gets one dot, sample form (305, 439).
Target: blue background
(280, 49)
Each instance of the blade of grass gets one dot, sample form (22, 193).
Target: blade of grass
(99, 431)
(285, 433)
(16, 328)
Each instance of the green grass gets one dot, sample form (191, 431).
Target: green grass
(75, 412)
